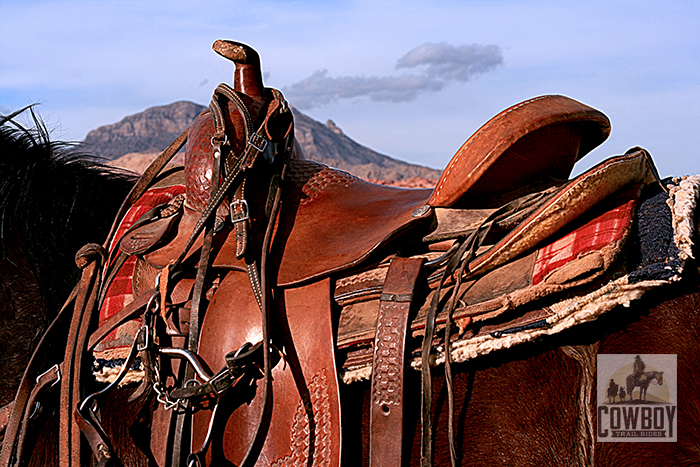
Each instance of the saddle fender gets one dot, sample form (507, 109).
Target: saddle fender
(306, 408)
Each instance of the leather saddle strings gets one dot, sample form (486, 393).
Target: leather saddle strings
(457, 267)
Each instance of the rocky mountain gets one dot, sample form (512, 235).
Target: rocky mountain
(329, 145)
(150, 131)
(135, 141)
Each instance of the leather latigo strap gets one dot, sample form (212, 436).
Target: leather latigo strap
(89, 259)
(386, 409)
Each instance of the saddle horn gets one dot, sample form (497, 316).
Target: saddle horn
(247, 75)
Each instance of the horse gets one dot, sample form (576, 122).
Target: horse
(511, 408)
(649, 376)
(623, 394)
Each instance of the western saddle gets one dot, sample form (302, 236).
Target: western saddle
(281, 273)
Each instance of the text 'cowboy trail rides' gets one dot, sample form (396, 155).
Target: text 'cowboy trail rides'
(637, 398)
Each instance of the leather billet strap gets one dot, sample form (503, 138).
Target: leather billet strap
(386, 410)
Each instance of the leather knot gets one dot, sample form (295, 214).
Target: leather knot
(89, 254)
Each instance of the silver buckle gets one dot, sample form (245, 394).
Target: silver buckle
(146, 338)
(234, 215)
(258, 142)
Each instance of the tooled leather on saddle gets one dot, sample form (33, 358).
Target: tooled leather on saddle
(332, 221)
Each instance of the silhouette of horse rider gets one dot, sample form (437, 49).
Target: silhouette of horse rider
(638, 368)
(612, 390)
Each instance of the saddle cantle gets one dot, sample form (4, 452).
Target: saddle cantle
(529, 144)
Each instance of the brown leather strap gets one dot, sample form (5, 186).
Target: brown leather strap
(26, 407)
(386, 409)
(240, 219)
(89, 260)
(45, 380)
(127, 313)
(312, 348)
(43, 352)
(181, 438)
(96, 439)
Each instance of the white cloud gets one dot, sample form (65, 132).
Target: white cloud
(436, 65)
(459, 63)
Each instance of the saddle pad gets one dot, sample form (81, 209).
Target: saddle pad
(658, 246)
(570, 260)
(575, 199)
(110, 353)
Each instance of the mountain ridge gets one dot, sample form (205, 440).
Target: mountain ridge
(137, 138)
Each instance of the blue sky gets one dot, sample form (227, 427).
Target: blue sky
(411, 79)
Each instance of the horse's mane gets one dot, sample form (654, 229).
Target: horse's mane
(54, 198)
